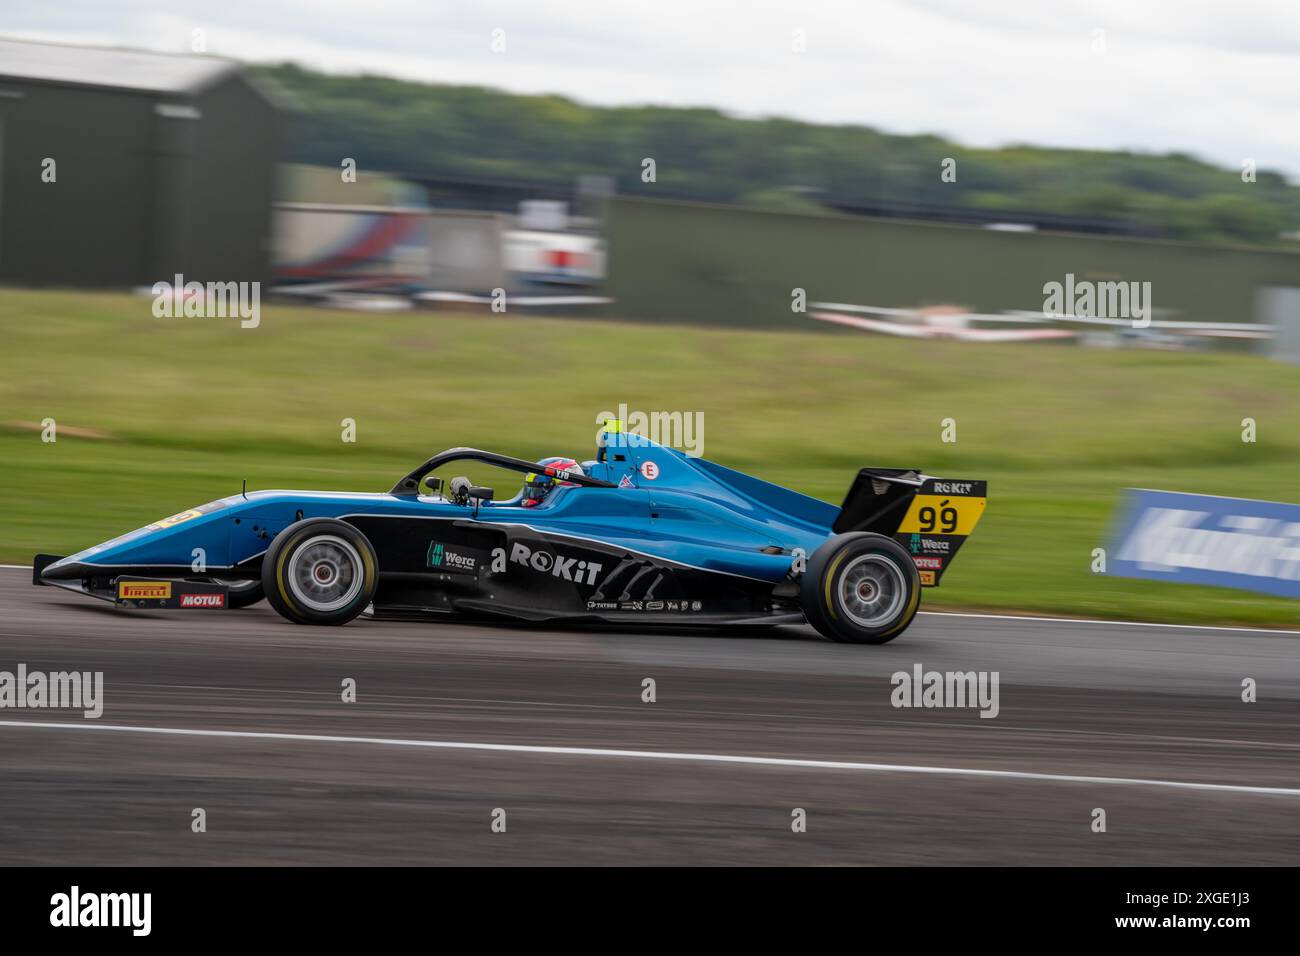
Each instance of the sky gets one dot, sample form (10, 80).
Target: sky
(1220, 80)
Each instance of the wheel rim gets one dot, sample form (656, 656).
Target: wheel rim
(241, 585)
(871, 590)
(325, 573)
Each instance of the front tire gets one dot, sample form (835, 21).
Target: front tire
(244, 593)
(238, 593)
(320, 571)
(860, 588)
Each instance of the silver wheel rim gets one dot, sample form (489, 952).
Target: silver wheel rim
(325, 573)
(240, 585)
(870, 590)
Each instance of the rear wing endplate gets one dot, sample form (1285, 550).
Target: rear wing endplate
(930, 517)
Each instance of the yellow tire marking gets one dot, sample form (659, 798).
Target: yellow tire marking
(370, 569)
(829, 578)
(912, 603)
(279, 577)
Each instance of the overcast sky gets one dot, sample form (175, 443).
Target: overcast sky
(1217, 79)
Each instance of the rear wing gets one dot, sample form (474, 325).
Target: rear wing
(930, 517)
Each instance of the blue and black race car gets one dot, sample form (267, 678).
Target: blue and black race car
(642, 535)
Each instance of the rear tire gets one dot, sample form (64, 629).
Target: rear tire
(860, 588)
(320, 571)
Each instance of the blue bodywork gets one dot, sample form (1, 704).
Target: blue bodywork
(664, 505)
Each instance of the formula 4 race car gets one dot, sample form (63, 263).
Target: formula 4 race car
(642, 535)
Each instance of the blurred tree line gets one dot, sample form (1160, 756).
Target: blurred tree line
(476, 133)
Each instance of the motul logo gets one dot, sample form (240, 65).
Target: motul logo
(203, 600)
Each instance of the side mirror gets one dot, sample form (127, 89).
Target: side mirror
(480, 493)
(433, 483)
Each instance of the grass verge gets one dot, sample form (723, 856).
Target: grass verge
(155, 415)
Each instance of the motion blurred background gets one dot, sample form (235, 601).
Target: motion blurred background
(828, 231)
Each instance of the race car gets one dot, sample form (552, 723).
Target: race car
(642, 535)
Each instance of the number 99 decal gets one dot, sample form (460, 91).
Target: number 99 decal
(935, 514)
(944, 522)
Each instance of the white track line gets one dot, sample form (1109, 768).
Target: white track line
(1089, 620)
(656, 755)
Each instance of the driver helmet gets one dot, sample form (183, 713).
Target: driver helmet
(538, 484)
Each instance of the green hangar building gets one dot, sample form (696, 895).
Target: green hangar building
(124, 168)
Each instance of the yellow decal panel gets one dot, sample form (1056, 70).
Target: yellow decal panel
(942, 514)
(177, 519)
(151, 590)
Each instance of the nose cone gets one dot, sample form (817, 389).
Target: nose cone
(52, 567)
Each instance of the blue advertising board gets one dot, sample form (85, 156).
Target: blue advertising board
(1204, 539)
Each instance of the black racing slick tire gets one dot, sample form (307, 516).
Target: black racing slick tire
(320, 571)
(860, 588)
(238, 593)
(243, 593)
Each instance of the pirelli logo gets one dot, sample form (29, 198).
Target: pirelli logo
(147, 590)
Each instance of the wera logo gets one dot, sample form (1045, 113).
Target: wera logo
(919, 545)
(440, 557)
(103, 909)
(570, 569)
(950, 689)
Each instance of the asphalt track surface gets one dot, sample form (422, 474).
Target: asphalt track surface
(1091, 716)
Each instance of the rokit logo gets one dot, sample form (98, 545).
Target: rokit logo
(569, 569)
(953, 487)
